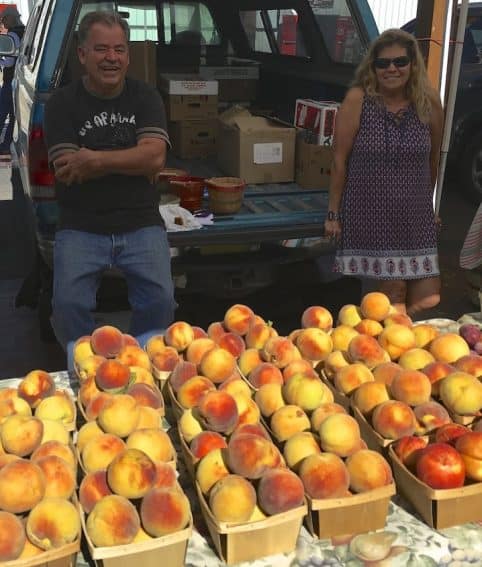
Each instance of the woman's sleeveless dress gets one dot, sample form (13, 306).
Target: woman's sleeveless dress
(388, 222)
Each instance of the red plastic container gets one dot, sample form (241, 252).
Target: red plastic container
(190, 190)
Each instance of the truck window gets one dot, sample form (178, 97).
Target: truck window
(274, 31)
(339, 31)
(142, 20)
(188, 23)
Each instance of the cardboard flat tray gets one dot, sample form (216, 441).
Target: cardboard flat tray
(438, 508)
(189, 459)
(354, 514)
(373, 439)
(249, 541)
(176, 407)
(65, 556)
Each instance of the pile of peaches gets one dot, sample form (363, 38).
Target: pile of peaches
(38, 469)
(129, 491)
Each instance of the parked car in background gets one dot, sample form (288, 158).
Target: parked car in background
(465, 153)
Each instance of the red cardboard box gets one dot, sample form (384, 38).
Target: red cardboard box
(318, 118)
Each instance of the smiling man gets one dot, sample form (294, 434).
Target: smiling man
(107, 140)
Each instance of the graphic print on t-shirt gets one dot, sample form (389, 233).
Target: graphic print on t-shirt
(108, 130)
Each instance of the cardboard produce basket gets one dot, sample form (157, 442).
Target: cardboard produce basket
(249, 541)
(176, 407)
(354, 514)
(65, 556)
(189, 459)
(438, 508)
(340, 397)
(371, 437)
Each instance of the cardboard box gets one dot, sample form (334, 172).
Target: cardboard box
(65, 556)
(193, 138)
(143, 62)
(313, 164)
(255, 148)
(318, 117)
(249, 541)
(438, 508)
(359, 513)
(235, 82)
(189, 98)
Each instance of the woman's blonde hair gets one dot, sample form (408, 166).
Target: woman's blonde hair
(418, 87)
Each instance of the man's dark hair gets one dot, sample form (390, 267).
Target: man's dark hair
(10, 17)
(110, 19)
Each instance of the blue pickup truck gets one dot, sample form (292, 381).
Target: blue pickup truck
(301, 48)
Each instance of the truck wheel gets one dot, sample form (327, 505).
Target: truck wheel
(472, 169)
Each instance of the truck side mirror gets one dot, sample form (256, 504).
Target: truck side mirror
(7, 46)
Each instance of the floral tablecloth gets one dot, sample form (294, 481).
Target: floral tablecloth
(406, 540)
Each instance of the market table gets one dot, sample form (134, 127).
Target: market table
(405, 541)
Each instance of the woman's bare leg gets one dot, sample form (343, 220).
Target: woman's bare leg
(422, 294)
(396, 290)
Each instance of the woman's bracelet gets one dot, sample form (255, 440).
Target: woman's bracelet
(332, 216)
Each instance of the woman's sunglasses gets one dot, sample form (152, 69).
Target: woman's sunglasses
(385, 62)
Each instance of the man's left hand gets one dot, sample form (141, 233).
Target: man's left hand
(76, 167)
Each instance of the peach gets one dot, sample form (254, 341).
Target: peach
(314, 344)
(100, 451)
(96, 404)
(197, 349)
(368, 470)
(164, 511)
(349, 315)
(148, 418)
(449, 347)
(269, 398)
(134, 355)
(113, 376)
(397, 318)
(54, 448)
(218, 411)
(12, 537)
(280, 490)
(21, 435)
(472, 364)
(53, 523)
(335, 360)
(154, 345)
(155, 443)
(166, 476)
(59, 407)
(415, 359)
(189, 426)
(298, 447)
(435, 372)
(87, 368)
(424, 334)
(469, 446)
(248, 360)
(324, 475)
(238, 319)
(430, 415)
(366, 349)
(235, 386)
(182, 372)
(217, 364)
(93, 488)
(113, 521)
(207, 441)
(257, 515)
(408, 448)
(248, 410)
(339, 434)
(14, 406)
(8, 394)
(280, 351)
(258, 334)
(369, 327)
(253, 428)
(6, 458)
(375, 305)
(140, 375)
(36, 386)
(87, 391)
(216, 330)
(165, 360)
(288, 420)
(30, 550)
(298, 367)
(22, 486)
(323, 411)
(394, 419)
(232, 343)
(250, 455)
(317, 316)
(146, 396)
(107, 341)
(368, 395)
(87, 432)
(396, 339)
(59, 475)
(199, 332)
(192, 391)
(412, 387)
(81, 349)
(130, 340)
(386, 372)
(461, 393)
(131, 473)
(179, 335)
(306, 392)
(119, 416)
(210, 469)
(341, 337)
(54, 431)
(349, 378)
(232, 499)
(449, 432)
(265, 373)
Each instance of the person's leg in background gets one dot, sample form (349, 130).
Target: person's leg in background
(6, 111)
(79, 260)
(396, 290)
(144, 258)
(422, 294)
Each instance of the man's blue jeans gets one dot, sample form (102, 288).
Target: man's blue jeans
(80, 258)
